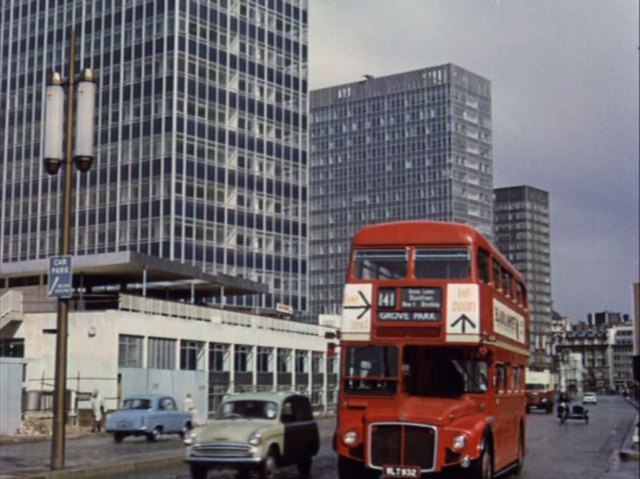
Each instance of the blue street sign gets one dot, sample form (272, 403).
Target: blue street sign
(60, 277)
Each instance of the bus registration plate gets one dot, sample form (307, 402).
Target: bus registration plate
(400, 471)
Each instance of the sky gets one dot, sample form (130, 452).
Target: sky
(564, 85)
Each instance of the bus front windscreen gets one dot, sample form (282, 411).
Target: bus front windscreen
(442, 372)
(371, 370)
(381, 263)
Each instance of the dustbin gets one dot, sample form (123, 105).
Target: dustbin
(31, 400)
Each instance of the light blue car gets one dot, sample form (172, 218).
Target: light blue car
(148, 415)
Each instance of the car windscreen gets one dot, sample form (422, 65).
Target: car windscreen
(136, 403)
(252, 409)
(535, 387)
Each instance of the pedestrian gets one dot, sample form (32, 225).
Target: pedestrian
(189, 404)
(97, 411)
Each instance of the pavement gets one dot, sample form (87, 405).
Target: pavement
(33, 462)
(625, 462)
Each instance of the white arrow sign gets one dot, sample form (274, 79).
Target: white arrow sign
(356, 310)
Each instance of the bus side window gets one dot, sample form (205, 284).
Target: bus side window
(523, 294)
(518, 379)
(506, 282)
(484, 273)
(500, 385)
(518, 292)
(511, 379)
(497, 278)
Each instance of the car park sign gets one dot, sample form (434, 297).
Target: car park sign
(60, 284)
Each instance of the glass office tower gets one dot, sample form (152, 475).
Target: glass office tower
(414, 145)
(200, 135)
(522, 231)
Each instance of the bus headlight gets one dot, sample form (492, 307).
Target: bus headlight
(459, 442)
(349, 438)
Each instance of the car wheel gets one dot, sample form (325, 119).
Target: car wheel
(304, 468)
(118, 437)
(198, 471)
(269, 466)
(153, 435)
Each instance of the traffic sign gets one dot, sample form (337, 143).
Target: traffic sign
(60, 284)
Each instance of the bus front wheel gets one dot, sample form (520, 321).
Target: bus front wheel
(482, 468)
(349, 469)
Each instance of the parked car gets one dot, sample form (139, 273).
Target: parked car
(590, 398)
(148, 415)
(255, 431)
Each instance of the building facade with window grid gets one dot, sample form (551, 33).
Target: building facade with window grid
(209, 352)
(200, 135)
(414, 145)
(523, 235)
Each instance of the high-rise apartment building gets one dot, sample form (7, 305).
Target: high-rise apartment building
(200, 136)
(522, 231)
(414, 145)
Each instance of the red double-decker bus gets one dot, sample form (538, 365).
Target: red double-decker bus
(434, 345)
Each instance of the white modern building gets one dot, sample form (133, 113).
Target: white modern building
(621, 357)
(136, 344)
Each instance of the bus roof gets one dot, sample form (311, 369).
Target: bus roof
(421, 233)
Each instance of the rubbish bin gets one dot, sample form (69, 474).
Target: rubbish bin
(31, 401)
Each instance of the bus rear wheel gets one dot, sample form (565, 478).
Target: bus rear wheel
(520, 460)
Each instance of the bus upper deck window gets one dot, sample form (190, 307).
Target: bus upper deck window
(506, 282)
(380, 263)
(442, 263)
(497, 277)
(483, 266)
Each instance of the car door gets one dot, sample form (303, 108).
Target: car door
(168, 415)
(291, 446)
(300, 430)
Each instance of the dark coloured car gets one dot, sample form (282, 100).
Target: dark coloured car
(148, 415)
(539, 397)
(256, 431)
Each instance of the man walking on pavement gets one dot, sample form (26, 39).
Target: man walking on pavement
(97, 409)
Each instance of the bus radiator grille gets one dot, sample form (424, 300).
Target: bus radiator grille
(403, 445)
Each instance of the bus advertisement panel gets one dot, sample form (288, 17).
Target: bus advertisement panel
(434, 341)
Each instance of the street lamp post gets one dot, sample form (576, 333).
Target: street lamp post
(82, 156)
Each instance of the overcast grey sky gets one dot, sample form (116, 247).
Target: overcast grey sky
(564, 77)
